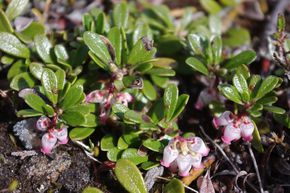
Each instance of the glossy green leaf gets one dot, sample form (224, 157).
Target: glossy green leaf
(36, 69)
(91, 120)
(114, 154)
(15, 8)
(195, 43)
(266, 86)
(211, 6)
(149, 165)
(182, 101)
(230, 93)
(197, 65)
(170, 99)
(72, 96)
(142, 30)
(60, 52)
(174, 186)
(7, 60)
(115, 38)
(121, 15)
(241, 85)
(161, 72)
(268, 100)
(28, 34)
(119, 109)
(28, 113)
(160, 81)
(43, 48)
(35, 102)
(129, 176)
(149, 90)
(60, 76)
(122, 143)
(245, 57)
(73, 118)
(132, 155)
(217, 49)
(98, 46)
(21, 81)
(142, 68)
(80, 133)
(141, 52)
(100, 23)
(91, 190)
(11, 45)
(274, 109)
(236, 37)
(153, 145)
(108, 142)
(5, 25)
(17, 68)
(49, 82)
(133, 116)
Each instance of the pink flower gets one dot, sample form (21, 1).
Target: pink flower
(43, 123)
(61, 134)
(97, 96)
(181, 154)
(48, 141)
(234, 127)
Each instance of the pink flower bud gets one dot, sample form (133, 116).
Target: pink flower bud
(198, 146)
(48, 141)
(97, 96)
(169, 155)
(184, 163)
(196, 161)
(247, 128)
(124, 98)
(61, 135)
(43, 123)
(223, 120)
(231, 133)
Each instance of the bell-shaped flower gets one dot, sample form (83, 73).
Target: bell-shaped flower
(198, 146)
(247, 128)
(48, 141)
(61, 134)
(97, 96)
(169, 155)
(223, 120)
(184, 163)
(196, 161)
(231, 133)
(43, 123)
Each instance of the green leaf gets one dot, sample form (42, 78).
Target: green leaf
(245, 57)
(163, 13)
(215, 25)
(161, 72)
(72, 97)
(17, 68)
(73, 118)
(36, 69)
(28, 113)
(170, 99)
(237, 37)
(141, 52)
(91, 120)
(91, 190)
(268, 84)
(43, 48)
(142, 30)
(122, 144)
(174, 186)
(197, 65)
(275, 110)
(21, 81)
(153, 145)
(61, 52)
(108, 142)
(119, 109)
(15, 8)
(114, 154)
(142, 68)
(97, 45)
(11, 45)
(35, 102)
(267, 100)
(80, 133)
(133, 116)
(160, 81)
(241, 85)
(149, 90)
(283, 119)
(28, 34)
(182, 101)
(281, 23)
(243, 70)
(49, 82)
(217, 49)
(60, 76)
(149, 165)
(5, 25)
(256, 142)
(230, 93)
(130, 177)
(195, 43)
(115, 38)
(121, 15)
(211, 6)
(132, 155)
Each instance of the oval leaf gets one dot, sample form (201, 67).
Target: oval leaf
(80, 133)
(197, 65)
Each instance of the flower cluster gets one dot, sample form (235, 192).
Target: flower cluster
(234, 127)
(181, 154)
(52, 136)
(106, 98)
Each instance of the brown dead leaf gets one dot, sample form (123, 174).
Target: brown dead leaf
(206, 185)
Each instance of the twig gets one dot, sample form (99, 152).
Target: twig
(256, 167)
(226, 157)
(87, 151)
(187, 187)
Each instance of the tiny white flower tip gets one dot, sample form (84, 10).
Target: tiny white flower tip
(169, 155)
(43, 123)
(48, 141)
(184, 163)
